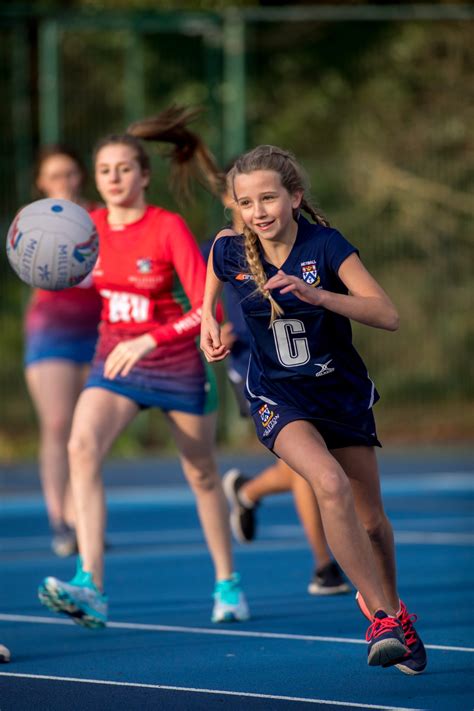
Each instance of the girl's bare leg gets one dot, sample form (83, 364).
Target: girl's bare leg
(54, 386)
(99, 418)
(304, 450)
(275, 479)
(194, 436)
(360, 465)
(310, 517)
(279, 478)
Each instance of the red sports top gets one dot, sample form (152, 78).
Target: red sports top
(151, 277)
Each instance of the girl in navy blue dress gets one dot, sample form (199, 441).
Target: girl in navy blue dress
(310, 395)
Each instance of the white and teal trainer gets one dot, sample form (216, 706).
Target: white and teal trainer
(230, 604)
(79, 598)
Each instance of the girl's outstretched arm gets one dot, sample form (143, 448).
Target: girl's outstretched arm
(366, 302)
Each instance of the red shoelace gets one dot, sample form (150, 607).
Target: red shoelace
(407, 621)
(379, 626)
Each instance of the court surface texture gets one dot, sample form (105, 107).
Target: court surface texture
(161, 651)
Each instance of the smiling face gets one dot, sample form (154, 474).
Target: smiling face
(120, 179)
(265, 205)
(60, 177)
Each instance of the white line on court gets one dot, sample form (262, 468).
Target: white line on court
(218, 692)
(37, 619)
(395, 483)
(434, 538)
(272, 538)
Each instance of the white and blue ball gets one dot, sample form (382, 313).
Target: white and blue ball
(52, 244)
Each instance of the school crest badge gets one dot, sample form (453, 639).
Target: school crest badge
(266, 415)
(268, 418)
(309, 272)
(144, 265)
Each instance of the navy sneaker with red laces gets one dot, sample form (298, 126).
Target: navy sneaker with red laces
(386, 640)
(416, 661)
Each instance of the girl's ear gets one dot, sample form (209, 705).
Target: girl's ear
(296, 199)
(146, 177)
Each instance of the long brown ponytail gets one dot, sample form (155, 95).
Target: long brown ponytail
(190, 157)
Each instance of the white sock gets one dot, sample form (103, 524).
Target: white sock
(244, 500)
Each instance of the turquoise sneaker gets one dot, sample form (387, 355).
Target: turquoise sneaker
(230, 604)
(79, 598)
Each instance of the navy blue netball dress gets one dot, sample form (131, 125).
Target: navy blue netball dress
(303, 367)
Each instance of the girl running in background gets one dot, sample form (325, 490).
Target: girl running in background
(244, 494)
(310, 395)
(60, 334)
(151, 277)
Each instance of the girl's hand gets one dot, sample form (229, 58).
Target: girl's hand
(121, 360)
(287, 283)
(211, 345)
(227, 334)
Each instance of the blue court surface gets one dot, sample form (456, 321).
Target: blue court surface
(161, 651)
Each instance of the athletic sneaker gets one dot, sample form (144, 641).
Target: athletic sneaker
(328, 580)
(80, 599)
(64, 541)
(386, 640)
(230, 604)
(416, 661)
(4, 654)
(242, 516)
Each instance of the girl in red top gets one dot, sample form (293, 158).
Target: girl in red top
(151, 277)
(60, 337)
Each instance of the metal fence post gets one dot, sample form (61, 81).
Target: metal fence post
(49, 82)
(134, 77)
(234, 84)
(21, 112)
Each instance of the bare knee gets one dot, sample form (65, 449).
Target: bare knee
(332, 486)
(202, 476)
(56, 427)
(83, 452)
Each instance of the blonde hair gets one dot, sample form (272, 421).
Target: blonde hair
(294, 180)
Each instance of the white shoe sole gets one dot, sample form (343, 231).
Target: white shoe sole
(406, 670)
(58, 600)
(385, 652)
(228, 481)
(315, 589)
(4, 654)
(230, 616)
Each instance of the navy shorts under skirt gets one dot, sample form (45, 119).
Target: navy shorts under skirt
(357, 430)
